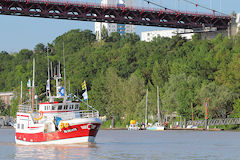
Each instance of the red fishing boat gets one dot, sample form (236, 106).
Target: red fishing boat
(61, 120)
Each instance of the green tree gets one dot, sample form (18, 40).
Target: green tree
(221, 100)
(40, 48)
(3, 109)
(104, 33)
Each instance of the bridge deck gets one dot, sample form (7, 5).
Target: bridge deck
(112, 14)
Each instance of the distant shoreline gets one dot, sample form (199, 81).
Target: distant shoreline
(176, 129)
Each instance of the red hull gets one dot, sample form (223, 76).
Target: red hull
(75, 131)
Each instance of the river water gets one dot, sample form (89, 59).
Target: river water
(123, 144)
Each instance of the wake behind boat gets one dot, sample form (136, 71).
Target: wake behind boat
(60, 120)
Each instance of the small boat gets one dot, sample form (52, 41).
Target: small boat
(60, 120)
(157, 126)
(133, 125)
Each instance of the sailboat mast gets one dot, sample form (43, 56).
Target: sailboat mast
(158, 105)
(192, 112)
(33, 84)
(146, 108)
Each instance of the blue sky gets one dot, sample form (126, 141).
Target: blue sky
(25, 32)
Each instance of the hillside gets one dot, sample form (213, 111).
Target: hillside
(119, 69)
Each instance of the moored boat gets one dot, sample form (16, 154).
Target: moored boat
(133, 125)
(61, 120)
(156, 127)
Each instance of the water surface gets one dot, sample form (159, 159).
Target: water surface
(123, 144)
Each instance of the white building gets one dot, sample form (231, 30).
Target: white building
(113, 27)
(149, 35)
(6, 97)
(238, 21)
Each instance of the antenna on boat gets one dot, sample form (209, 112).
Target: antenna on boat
(59, 68)
(33, 84)
(65, 93)
(21, 94)
(69, 86)
(51, 70)
(48, 81)
(54, 71)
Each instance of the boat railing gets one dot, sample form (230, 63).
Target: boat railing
(24, 108)
(78, 114)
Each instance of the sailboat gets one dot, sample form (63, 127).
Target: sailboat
(60, 120)
(157, 126)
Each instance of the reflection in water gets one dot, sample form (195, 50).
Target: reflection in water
(53, 151)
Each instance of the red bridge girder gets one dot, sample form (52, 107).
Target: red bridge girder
(112, 14)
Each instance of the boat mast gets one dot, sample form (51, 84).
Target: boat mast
(49, 84)
(146, 108)
(158, 105)
(65, 93)
(33, 84)
(21, 93)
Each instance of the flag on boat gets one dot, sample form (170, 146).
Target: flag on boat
(85, 96)
(48, 85)
(29, 86)
(62, 91)
(84, 86)
(29, 83)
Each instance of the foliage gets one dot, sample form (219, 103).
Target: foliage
(119, 69)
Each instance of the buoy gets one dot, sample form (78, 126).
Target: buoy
(133, 122)
(66, 125)
(61, 125)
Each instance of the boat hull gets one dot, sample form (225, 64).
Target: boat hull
(81, 133)
(86, 139)
(155, 128)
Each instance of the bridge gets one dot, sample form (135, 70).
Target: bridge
(112, 14)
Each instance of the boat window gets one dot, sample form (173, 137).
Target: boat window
(45, 107)
(65, 107)
(54, 107)
(22, 126)
(18, 126)
(70, 106)
(60, 107)
(76, 106)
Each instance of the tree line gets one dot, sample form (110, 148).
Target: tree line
(119, 69)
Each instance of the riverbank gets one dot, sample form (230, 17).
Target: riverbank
(113, 129)
(196, 129)
(174, 129)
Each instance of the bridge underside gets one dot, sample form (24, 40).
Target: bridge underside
(111, 14)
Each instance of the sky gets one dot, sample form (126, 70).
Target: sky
(18, 33)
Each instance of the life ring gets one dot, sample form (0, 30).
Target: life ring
(61, 125)
(41, 116)
(66, 125)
